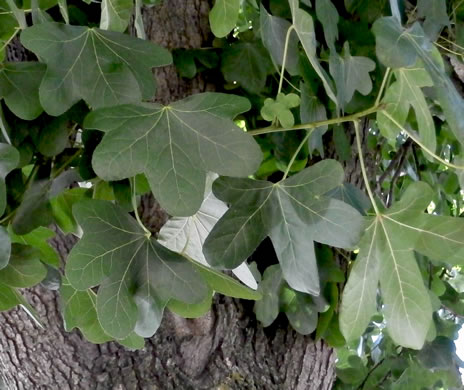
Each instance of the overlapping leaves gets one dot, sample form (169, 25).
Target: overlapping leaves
(293, 213)
(304, 27)
(404, 93)
(175, 146)
(104, 68)
(387, 255)
(187, 235)
(137, 275)
(398, 47)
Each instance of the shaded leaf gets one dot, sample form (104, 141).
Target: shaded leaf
(312, 110)
(398, 47)
(273, 33)
(102, 67)
(19, 87)
(435, 14)
(8, 297)
(62, 209)
(175, 146)
(267, 309)
(350, 74)
(24, 268)
(79, 311)
(191, 310)
(115, 253)
(9, 159)
(38, 239)
(246, 63)
(328, 16)
(294, 213)
(34, 210)
(352, 195)
(5, 247)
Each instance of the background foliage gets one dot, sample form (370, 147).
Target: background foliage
(304, 85)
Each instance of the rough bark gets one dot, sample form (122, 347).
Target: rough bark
(227, 349)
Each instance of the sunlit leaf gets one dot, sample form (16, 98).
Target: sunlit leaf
(387, 255)
(186, 235)
(116, 14)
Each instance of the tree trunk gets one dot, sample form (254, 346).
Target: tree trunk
(226, 349)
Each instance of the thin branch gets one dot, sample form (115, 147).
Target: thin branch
(363, 168)
(134, 205)
(284, 58)
(424, 148)
(392, 163)
(289, 166)
(369, 374)
(382, 86)
(313, 125)
(404, 153)
(416, 162)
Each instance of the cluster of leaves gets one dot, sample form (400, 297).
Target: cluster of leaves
(378, 277)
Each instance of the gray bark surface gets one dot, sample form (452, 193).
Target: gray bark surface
(226, 349)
